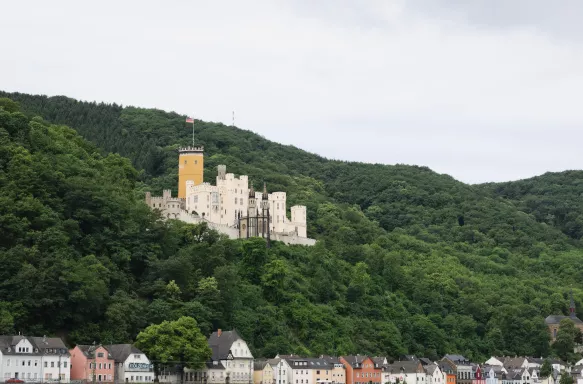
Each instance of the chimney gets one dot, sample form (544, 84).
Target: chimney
(219, 332)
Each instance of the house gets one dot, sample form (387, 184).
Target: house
(262, 372)
(492, 373)
(131, 364)
(299, 371)
(361, 369)
(338, 370)
(477, 373)
(449, 372)
(462, 367)
(34, 358)
(409, 372)
(434, 374)
(280, 370)
(90, 360)
(233, 353)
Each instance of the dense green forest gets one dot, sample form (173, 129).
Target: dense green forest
(407, 260)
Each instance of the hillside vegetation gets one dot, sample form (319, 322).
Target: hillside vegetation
(407, 260)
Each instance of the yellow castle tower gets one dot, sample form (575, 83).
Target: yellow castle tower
(190, 167)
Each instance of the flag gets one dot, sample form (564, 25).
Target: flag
(190, 120)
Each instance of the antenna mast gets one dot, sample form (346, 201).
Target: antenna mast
(233, 124)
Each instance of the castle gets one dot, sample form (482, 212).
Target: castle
(230, 206)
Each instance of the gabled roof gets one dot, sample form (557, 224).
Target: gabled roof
(457, 359)
(430, 369)
(556, 319)
(425, 361)
(354, 360)
(445, 367)
(221, 342)
(89, 350)
(120, 352)
(379, 360)
(50, 345)
(513, 363)
(259, 364)
(404, 366)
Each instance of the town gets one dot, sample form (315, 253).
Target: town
(43, 359)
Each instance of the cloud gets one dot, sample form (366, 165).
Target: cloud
(481, 90)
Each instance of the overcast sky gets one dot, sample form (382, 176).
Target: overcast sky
(483, 90)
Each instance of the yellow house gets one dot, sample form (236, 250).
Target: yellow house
(327, 370)
(263, 372)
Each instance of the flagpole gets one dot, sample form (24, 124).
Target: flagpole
(193, 132)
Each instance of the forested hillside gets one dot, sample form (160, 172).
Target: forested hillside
(553, 198)
(407, 260)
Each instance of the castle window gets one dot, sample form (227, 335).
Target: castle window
(195, 161)
(235, 200)
(185, 162)
(277, 205)
(235, 190)
(241, 202)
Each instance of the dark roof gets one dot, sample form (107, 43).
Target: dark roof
(408, 358)
(457, 358)
(311, 362)
(431, 368)
(379, 360)
(221, 342)
(425, 361)
(89, 350)
(258, 365)
(49, 345)
(515, 362)
(445, 367)
(556, 319)
(330, 359)
(405, 366)
(120, 352)
(45, 345)
(274, 361)
(353, 360)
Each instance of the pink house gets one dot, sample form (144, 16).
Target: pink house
(89, 360)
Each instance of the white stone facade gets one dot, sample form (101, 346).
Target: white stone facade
(34, 359)
(221, 206)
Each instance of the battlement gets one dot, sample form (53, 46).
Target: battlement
(190, 150)
(278, 195)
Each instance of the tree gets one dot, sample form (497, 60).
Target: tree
(565, 341)
(566, 378)
(546, 369)
(175, 341)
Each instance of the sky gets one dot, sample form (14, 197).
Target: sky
(483, 90)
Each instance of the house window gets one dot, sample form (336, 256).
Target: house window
(52, 364)
(65, 364)
(8, 362)
(46, 364)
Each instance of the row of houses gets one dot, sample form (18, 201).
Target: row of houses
(42, 359)
(47, 359)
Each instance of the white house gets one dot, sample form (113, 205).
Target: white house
(299, 369)
(404, 371)
(434, 374)
(281, 369)
(34, 359)
(131, 364)
(233, 353)
(490, 374)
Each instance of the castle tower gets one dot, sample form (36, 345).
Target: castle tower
(264, 198)
(252, 210)
(190, 167)
(222, 172)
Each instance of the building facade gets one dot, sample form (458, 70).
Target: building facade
(230, 206)
(34, 359)
(131, 364)
(233, 353)
(361, 370)
(88, 361)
